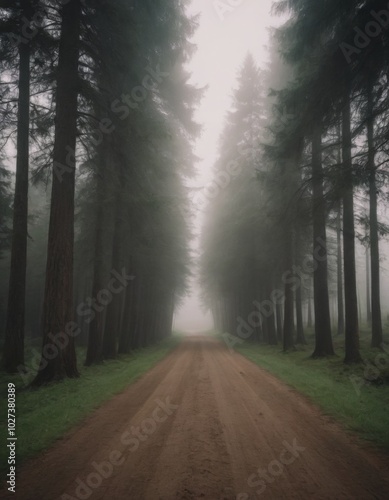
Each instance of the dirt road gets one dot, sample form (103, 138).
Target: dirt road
(206, 424)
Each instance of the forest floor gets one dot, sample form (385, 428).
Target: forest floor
(206, 423)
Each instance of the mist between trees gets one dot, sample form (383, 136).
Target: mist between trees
(98, 101)
(318, 124)
(267, 308)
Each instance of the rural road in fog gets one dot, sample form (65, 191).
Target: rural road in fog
(200, 425)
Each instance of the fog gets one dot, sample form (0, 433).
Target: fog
(222, 40)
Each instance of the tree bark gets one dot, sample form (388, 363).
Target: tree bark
(129, 317)
(309, 319)
(112, 324)
(288, 342)
(300, 337)
(271, 317)
(323, 339)
(96, 329)
(279, 322)
(14, 331)
(60, 361)
(376, 319)
(339, 271)
(368, 296)
(271, 330)
(352, 354)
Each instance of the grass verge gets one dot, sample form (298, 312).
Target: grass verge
(341, 391)
(45, 414)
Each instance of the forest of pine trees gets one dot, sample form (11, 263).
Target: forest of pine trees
(194, 242)
(96, 104)
(97, 109)
(308, 140)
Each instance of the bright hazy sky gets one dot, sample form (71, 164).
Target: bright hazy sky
(222, 44)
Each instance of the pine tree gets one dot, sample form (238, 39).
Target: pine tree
(58, 319)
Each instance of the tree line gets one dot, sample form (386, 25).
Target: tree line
(96, 98)
(307, 137)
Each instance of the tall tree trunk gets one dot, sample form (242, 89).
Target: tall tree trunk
(146, 304)
(136, 321)
(352, 354)
(112, 324)
(129, 316)
(310, 318)
(14, 332)
(376, 319)
(368, 296)
(323, 339)
(271, 330)
(271, 318)
(359, 306)
(339, 271)
(279, 322)
(292, 180)
(288, 304)
(300, 337)
(96, 328)
(169, 325)
(59, 361)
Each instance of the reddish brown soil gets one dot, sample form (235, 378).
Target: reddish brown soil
(231, 419)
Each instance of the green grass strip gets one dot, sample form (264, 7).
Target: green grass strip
(45, 414)
(340, 390)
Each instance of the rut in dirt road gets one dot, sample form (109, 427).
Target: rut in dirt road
(206, 424)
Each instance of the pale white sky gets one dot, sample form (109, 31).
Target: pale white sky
(223, 39)
(222, 44)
